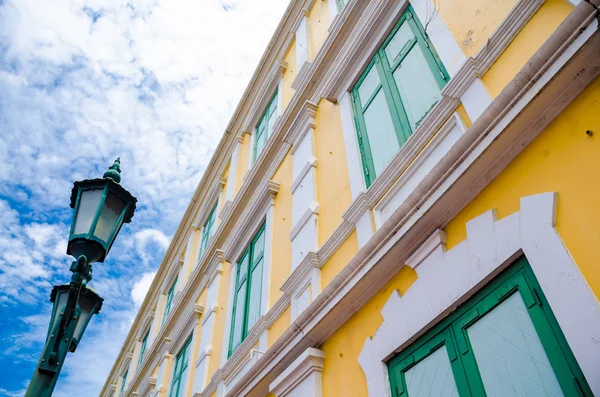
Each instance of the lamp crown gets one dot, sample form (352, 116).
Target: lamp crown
(114, 171)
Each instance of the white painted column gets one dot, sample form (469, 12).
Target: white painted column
(305, 214)
(303, 55)
(233, 170)
(202, 361)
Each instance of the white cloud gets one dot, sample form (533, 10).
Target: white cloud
(85, 81)
(141, 287)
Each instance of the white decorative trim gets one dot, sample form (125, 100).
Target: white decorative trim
(365, 228)
(302, 377)
(233, 171)
(184, 327)
(302, 124)
(450, 53)
(209, 204)
(145, 325)
(313, 208)
(312, 162)
(250, 220)
(333, 9)
(264, 95)
(446, 278)
(303, 55)
(437, 239)
(476, 99)
(423, 164)
(355, 168)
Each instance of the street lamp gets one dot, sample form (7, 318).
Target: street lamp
(100, 207)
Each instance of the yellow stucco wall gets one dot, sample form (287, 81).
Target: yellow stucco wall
(218, 342)
(339, 259)
(563, 159)
(472, 22)
(318, 23)
(342, 376)
(281, 262)
(280, 325)
(333, 182)
(289, 75)
(528, 41)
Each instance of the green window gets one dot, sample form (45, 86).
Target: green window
(397, 90)
(170, 295)
(504, 341)
(180, 372)
(208, 230)
(341, 4)
(124, 382)
(265, 127)
(143, 348)
(248, 288)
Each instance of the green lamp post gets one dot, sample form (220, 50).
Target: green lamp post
(100, 207)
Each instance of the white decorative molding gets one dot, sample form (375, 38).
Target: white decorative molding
(446, 278)
(423, 164)
(302, 378)
(475, 99)
(353, 157)
(446, 46)
(303, 55)
(250, 220)
(263, 96)
(301, 125)
(312, 162)
(313, 209)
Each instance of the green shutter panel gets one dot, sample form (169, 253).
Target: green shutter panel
(255, 294)
(239, 304)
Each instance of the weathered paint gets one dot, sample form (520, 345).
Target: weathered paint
(471, 22)
(528, 41)
(333, 182)
(342, 375)
(562, 159)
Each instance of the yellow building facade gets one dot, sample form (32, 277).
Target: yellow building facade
(404, 203)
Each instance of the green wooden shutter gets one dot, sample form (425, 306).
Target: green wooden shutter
(256, 272)
(207, 230)
(180, 371)
(265, 127)
(248, 290)
(143, 348)
(169, 301)
(124, 381)
(396, 91)
(503, 341)
(239, 303)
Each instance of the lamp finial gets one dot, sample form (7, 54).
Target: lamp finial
(114, 171)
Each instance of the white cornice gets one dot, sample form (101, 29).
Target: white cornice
(313, 208)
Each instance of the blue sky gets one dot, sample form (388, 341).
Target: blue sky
(81, 83)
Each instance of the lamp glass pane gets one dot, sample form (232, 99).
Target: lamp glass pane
(113, 207)
(86, 305)
(88, 205)
(60, 303)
